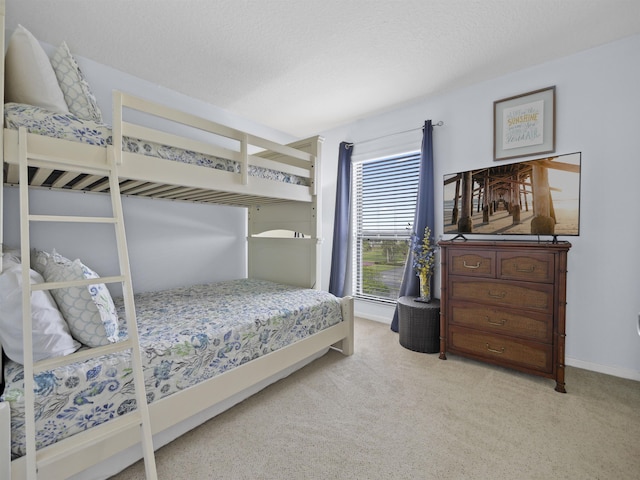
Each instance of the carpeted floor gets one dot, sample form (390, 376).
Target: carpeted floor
(390, 413)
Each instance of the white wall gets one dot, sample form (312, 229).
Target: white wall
(597, 98)
(170, 243)
(104, 80)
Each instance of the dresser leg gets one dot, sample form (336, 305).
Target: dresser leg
(560, 379)
(443, 356)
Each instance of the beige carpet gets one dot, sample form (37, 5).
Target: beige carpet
(390, 413)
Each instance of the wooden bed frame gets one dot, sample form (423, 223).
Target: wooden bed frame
(272, 206)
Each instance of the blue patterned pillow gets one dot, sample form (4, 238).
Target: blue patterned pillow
(89, 311)
(77, 93)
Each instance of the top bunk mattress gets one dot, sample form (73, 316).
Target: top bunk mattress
(187, 335)
(69, 127)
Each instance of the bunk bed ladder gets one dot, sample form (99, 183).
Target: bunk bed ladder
(140, 417)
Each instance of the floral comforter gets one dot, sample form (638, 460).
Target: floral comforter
(69, 127)
(187, 335)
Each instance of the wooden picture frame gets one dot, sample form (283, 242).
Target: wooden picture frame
(525, 124)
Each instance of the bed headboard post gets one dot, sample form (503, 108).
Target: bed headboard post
(2, 161)
(317, 200)
(116, 142)
(2, 136)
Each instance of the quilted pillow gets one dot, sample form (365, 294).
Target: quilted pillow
(89, 311)
(29, 77)
(51, 337)
(77, 93)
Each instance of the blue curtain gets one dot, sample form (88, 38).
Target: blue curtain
(425, 216)
(340, 251)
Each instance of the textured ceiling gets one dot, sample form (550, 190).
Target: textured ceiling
(306, 66)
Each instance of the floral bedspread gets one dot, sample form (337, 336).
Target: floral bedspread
(69, 127)
(187, 335)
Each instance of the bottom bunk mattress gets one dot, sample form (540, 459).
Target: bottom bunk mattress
(187, 335)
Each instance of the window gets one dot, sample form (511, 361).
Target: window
(385, 193)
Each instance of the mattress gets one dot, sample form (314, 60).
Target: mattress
(69, 127)
(187, 335)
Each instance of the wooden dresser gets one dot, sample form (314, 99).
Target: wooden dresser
(504, 302)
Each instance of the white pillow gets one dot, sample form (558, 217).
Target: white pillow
(51, 337)
(10, 257)
(77, 93)
(29, 76)
(89, 311)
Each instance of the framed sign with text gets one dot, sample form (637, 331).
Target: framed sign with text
(525, 124)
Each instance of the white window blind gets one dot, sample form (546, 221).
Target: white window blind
(385, 193)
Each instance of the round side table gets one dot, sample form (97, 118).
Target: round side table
(419, 324)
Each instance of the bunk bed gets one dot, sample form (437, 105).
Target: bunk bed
(182, 158)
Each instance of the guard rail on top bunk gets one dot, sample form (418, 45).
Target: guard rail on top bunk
(156, 177)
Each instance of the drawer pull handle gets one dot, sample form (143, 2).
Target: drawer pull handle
(529, 269)
(493, 350)
(497, 295)
(464, 263)
(498, 324)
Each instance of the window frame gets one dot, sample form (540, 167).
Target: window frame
(395, 225)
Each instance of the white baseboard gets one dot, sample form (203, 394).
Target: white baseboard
(374, 318)
(374, 311)
(384, 314)
(606, 369)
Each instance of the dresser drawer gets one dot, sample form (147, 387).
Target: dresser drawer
(498, 349)
(476, 263)
(530, 267)
(520, 323)
(536, 296)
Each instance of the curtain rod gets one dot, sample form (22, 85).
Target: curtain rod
(437, 124)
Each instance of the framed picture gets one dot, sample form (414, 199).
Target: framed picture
(525, 124)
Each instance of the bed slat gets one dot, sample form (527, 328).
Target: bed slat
(65, 179)
(178, 191)
(128, 185)
(101, 186)
(88, 180)
(41, 176)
